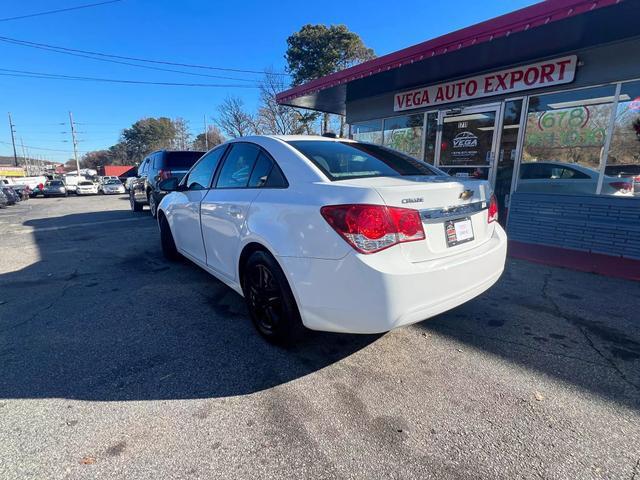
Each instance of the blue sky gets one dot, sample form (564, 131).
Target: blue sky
(248, 35)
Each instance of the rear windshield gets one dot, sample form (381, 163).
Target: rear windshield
(343, 160)
(55, 183)
(622, 170)
(85, 183)
(181, 160)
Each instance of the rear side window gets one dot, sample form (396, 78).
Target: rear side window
(343, 160)
(238, 165)
(179, 160)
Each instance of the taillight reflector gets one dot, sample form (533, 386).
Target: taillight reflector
(493, 210)
(623, 187)
(164, 174)
(371, 228)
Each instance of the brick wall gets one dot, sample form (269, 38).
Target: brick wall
(598, 224)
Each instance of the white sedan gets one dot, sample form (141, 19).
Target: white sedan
(86, 188)
(333, 234)
(111, 187)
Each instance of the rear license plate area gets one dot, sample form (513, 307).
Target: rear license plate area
(458, 231)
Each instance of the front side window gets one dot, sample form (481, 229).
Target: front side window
(567, 129)
(238, 165)
(344, 160)
(199, 178)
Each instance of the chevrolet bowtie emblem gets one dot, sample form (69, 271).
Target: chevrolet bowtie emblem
(466, 195)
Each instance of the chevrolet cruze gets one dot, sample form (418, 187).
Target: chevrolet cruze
(333, 234)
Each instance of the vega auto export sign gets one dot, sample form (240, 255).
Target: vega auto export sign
(527, 77)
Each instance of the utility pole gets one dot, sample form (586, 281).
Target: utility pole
(206, 131)
(24, 156)
(75, 143)
(13, 140)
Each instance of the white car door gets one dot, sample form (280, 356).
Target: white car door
(245, 170)
(185, 209)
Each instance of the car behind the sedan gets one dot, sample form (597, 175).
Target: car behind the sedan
(86, 188)
(332, 234)
(111, 187)
(55, 188)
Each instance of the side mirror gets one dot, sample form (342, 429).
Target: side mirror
(170, 184)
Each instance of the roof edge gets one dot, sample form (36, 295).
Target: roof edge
(523, 19)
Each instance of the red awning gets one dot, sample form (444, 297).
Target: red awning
(522, 20)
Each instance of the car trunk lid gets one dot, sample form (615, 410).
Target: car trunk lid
(445, 204)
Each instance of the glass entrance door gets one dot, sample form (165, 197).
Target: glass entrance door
(468, 141)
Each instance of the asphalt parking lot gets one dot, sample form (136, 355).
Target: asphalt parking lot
(116, 364)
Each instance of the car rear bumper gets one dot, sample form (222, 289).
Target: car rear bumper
(380, 292)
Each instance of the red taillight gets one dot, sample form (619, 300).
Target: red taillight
(164, 174)
(371, 228)
(493, 210)
(622, 187)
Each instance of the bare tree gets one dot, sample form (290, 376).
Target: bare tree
(275, 119)
(233, 120)
(214, 137)
(181, 140)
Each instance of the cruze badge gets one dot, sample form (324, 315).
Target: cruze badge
(466, 195)
(413, 200)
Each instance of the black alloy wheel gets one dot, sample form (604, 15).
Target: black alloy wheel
(271, 303)
(169, 249)
(152, 205)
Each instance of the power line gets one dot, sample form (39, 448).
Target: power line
(138, 59)
(148, 67)
(55, 76)
(50, 12)
(47, 149)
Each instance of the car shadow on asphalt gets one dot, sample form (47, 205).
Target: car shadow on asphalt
(102, 316)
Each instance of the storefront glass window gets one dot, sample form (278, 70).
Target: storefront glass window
(622, 173)
(405, 134)
(467, 142)
(430, 137)
(370, 131)
(564, 141)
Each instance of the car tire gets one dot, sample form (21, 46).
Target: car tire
(169, 249)
(152, 205)
(135, 206)
(270, 301)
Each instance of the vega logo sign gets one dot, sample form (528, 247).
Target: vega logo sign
(536, 75)
(465, 140)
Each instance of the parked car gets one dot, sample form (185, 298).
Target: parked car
(55, 188)
(111, 187)
(128, 182)
(12, 196)
(559, 177)
(332, 234)
(87, 188)
(104, 179)
(158, 166)
(71, 182)
(3, 199)
(23, 191)
(626, 171)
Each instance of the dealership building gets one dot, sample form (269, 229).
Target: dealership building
(543, 102)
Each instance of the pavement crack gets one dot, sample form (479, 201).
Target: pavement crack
(559, 313)
(636, 470)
